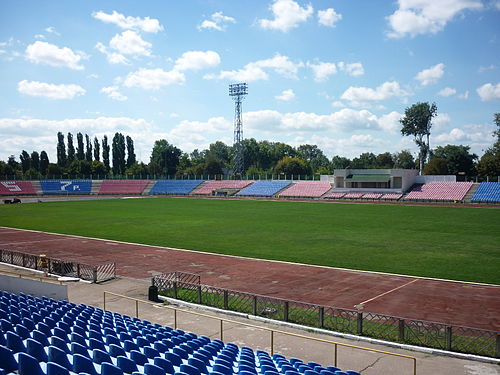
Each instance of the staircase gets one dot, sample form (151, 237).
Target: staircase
(37, 187)
(96, 186)
(148, 187)
(470, 193)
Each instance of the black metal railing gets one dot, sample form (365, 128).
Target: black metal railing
(379, 326)
(61, 267)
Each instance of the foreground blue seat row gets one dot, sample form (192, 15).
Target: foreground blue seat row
(41, 336)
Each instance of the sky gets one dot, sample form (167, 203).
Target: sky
(335, 73)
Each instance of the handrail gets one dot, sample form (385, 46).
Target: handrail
(272, 331)
(39, 278)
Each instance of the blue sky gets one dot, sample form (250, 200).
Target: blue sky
(336, 73)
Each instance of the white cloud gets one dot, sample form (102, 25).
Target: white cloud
(431, 75)
(288, 14)
(254, 71)
(146, 24)
(414, 17)
(48, 90)
(447, 91)
(218, 21)
(474, 135)
(489, 92)
(52, 30)
(197, 60)
(338, 104)
(360, 96)
(50, 54)
(482, 69)
(441, 122)
(323, 70)
(113, 93)
(112, 57)
(130, 43)
(390, 122)
(465, 95)
(39, 36)
(354, 69)
(153, 79)
(286, 95)
(328, 17)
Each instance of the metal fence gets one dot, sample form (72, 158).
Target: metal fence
(379, 326)
(59, 267)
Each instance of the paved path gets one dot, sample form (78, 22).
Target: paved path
(448, 302)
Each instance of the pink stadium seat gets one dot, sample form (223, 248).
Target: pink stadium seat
(312, 189)
(372, 196)
(334, 195)
(353, 195)
(440, 191)
(123, 186)
(210, 186)
(391, 196)
(16, 187)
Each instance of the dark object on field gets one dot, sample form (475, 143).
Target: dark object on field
(13, 201)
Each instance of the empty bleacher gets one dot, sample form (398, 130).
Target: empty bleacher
(123, 186)
(16, 188)
(210, 186)
(66, 186)
(264, 188)
(391, 196)
(487, 192)
(306, 189)
(439, 191)
(334, 195)
(175, 186)
(41, 336)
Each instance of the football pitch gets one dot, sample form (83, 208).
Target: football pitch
(457, 243)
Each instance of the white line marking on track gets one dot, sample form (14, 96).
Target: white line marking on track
(361, 305)
(261, 260)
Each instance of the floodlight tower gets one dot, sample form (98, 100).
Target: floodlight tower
(237, 91)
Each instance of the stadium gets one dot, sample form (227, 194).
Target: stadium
(156, 239)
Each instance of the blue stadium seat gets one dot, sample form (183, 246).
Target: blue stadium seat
(175, 186)
(487, 192)
(264, 188)
(7, 360)
(66, 186)
(29, 365)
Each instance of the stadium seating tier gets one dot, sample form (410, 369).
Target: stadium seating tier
(41, 336)
(16, 187)
(175, 186)
(487, 192)
(440, 191)
(66, 186)
(210, 186)
(264, 188)
(123, 186)
(307, 189)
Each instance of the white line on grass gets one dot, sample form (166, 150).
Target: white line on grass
(362, 304)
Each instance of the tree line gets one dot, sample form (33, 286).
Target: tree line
(100, 158)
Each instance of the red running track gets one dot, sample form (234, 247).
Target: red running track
(465, 304)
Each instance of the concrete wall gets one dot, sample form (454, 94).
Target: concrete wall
(436, 178)
(36, 288)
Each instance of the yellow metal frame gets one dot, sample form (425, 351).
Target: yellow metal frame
(270, 330)
(39, 278)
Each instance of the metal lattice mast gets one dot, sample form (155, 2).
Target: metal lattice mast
(237, 91)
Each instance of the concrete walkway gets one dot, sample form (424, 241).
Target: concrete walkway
(354, 359)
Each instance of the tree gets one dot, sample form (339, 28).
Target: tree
(314, 156)
(130, 152)
(88, 152)
(80, 167)
(35, 161)
(403, 160)
(105, 152)
(71, 148)
(6, 169)
(417, 122)
(340, 162)
(167, 156)
(489, 165)
(458, 159)
(366, 160)
(80, 151)
(384, 160)
(436, 166)
(25, 161)
(118, 153)
(97, 150)
(61, 150)
(98, 168)
(44, 162)
(292, 166)
(137, 169)
(54, 170)
(219, 151)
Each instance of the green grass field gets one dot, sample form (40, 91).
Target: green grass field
(445, 242)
